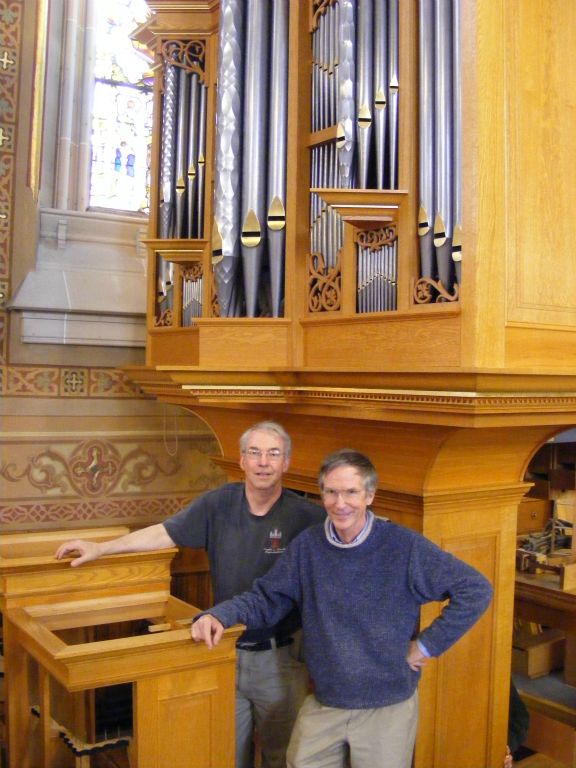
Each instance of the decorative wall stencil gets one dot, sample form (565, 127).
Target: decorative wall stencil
(34, 382)
(46, 381)
(130, 477)
(54, 514)
(95, 468)
(73, 381)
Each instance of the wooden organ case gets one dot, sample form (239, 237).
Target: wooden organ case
(360, 227)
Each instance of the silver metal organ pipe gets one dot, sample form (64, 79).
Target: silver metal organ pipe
(426, 135)
(380, 87)
(315, 81)
(254, 150)
(335, 9)
(168, 146)
(228, 157)
(323, 26)
(277, 142)
(332, 58)
(192, 169)
(364, 87)
(443, 124)
(182, 150)
(201, 167)
(457, 122)
(346, 93)
(393, 86)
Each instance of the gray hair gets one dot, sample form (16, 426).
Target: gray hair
(348, 457)
(267, 426)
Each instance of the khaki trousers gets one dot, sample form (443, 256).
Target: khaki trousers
(270, 688)
(327, 737)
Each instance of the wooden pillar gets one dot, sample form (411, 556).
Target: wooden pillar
(460, 487)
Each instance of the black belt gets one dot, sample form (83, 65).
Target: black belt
(265, 645)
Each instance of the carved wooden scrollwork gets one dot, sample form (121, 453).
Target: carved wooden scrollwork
(193, 272)
(318, 8)
(187, 54)
(324, 285)
(428, 291)
(376, 238)
(164, 319)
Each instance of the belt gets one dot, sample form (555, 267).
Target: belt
(266, 645)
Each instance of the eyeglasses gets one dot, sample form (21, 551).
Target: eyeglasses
(273, 454)
(351, 494)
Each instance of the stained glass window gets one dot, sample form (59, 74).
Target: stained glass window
(122, 110)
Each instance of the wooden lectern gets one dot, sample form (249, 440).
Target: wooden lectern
(55, 618)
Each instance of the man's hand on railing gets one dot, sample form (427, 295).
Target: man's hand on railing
(84, 550)
(208, 629)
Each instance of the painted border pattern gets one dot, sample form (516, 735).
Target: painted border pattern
(99, 511)
(64, 382)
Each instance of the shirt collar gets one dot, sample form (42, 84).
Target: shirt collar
(334, 539)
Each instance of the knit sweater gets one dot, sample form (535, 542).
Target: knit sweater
(360, 609)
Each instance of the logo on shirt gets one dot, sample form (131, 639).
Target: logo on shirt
(275, 547)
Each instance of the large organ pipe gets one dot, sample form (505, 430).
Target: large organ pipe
(315, 81)
(228, 161)
(192, 170)
(443, 129)
(335, 11)
(323, 29)
(332, 59)
(168, 146)
(393, 86)
(364, 87)
(254, 149)
(182, 150)
(201, 168)
(457, 122)
(277, 141)
(380, 87)
(346, 95)
(426, 135)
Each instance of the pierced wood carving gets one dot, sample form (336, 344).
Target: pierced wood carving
(324, 285)
(187, 54)
(376, 238)
(428, 291)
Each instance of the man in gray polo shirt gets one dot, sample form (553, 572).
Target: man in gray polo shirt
(244, 527)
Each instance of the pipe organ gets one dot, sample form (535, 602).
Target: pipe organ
(226, 132)
(367, 277)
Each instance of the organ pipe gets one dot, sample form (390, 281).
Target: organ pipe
(226, 230)
(254, 149)
(443, 145)
(277, 142)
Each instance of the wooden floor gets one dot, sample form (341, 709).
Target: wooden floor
(118, 760)
(539, 761)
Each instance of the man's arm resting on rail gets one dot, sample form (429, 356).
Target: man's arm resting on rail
(143, 540)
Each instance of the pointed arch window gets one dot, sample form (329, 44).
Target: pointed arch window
(121, 111)
(88, 284)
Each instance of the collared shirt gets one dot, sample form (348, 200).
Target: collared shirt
(333, 537)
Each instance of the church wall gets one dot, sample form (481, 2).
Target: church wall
(79, 445)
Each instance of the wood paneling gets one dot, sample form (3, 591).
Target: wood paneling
(540, 83)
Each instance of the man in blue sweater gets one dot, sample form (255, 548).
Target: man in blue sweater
(359, 582)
